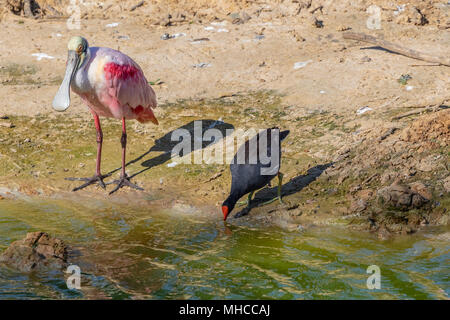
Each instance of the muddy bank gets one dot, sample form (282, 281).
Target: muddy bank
(316, 69)
(338, 169)
(369, 129)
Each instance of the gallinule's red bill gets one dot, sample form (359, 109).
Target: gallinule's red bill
(248, 176)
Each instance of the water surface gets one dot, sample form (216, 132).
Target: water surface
(127, 253)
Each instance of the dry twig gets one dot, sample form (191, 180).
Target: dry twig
(397, 48)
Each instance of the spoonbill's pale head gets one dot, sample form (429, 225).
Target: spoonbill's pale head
(78, 48)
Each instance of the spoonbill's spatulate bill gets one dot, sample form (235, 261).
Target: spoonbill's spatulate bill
(248, 176)
(113, 86)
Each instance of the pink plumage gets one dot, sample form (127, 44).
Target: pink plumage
(113, 85)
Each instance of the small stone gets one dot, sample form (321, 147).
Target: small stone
(407, 230)
(245, 16)
(239, 17)
(365, 194)
(446, 184)
(383, 233)
(411, 15)
(421, 189)
(7, 124)
(342, 28)
(332, 191)
(401, 197)
(358, 205)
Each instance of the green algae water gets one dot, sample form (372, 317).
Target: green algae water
(126, 253)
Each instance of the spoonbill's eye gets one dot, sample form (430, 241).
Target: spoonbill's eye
(80, 49)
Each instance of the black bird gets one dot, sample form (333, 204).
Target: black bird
(258, 168)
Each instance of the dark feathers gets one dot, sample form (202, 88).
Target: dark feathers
(251, 169)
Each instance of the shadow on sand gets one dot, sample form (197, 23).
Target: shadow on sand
(293, 186)
(166, 145)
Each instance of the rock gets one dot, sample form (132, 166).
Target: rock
(38, 251)
(446, 184)
(342, 28)
(358, 205)
(388, 176)
(401, 197)
(291, 9)
(411, 15)
(389, 132)
(342, 178)
(239, 17)
(166, 20)
(29, 8)
(427, 164)
(332, 191)
(365, 194)
(245, 16)
(163, 20)
(421, 189)
(7, 124)
(407, 230)
(177, 18)
(383, 233)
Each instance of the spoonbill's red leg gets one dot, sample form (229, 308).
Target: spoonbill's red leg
(98, 177)
(98, 128)
(124, 179)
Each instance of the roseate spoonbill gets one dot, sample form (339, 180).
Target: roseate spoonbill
(248, 177)
(112, 85)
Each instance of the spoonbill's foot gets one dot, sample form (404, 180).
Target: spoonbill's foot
(88, 181)
(124, 181)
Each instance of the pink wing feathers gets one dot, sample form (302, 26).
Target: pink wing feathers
(127, 88)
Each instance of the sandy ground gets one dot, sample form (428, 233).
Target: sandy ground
(249, 66)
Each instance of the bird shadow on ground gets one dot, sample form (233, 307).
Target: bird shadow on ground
(293, 186)
(165, 144)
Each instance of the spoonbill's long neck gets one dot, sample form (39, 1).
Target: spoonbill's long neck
(86, 59)
(81, 83)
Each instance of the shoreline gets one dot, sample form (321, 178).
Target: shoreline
(328, 178)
